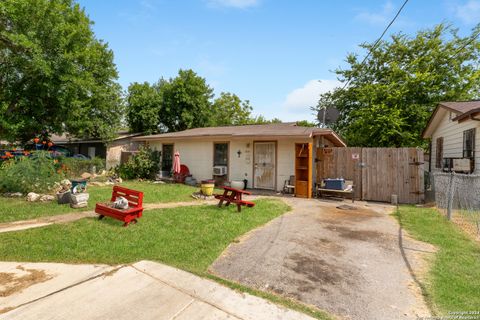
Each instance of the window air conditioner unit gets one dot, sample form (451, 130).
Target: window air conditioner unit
(462, 165)
(219, 170)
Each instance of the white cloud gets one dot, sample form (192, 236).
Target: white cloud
(307, 96)
(240, 4)
(469, 12)
(297, 103)
(380, 17)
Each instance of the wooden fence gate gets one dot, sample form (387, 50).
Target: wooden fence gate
(377, 173)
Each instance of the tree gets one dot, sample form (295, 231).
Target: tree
(262, 120)
(229, 109)
(390, 97)
(306, 123)
(186, 102)
(144, 105)
(55, 76)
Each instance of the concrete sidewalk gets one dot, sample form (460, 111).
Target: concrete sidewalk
(144, 290)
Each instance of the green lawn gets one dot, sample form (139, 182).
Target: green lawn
(19, 209)
(453, 283)
(190, 238)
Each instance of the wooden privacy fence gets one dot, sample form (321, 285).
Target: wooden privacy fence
(377, 173)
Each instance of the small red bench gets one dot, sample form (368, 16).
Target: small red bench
(134, 211)
(231, 195)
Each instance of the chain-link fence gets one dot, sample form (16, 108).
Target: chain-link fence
(457, 196)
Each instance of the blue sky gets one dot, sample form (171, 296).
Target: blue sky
(271, 52)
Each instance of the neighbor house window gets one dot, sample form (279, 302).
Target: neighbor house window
(220, 154)
(469, 143)
(439, 153)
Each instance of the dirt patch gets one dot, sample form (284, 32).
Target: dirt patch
(361, 235)
(5, 310)
(11, 283)
(315, 269)
(350, 216)
(323, 244)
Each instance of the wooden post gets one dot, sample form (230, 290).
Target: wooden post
(450, 192)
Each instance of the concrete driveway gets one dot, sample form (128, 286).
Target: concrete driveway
(144, 290)
(352, 263)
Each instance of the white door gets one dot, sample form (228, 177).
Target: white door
(91, 152)
(264, 165)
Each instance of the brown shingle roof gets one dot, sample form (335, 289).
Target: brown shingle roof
(461, 106)
(462, 109)
(259, 130)
(66, 139)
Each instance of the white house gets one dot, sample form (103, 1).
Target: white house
(263, 154)
(452, 130)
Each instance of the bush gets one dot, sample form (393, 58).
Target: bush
(38, 173)
(142, 165)
(73, 168)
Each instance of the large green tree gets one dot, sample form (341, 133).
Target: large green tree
(390, 97)
(229, 109)
(186, 102)
(144, 107)
(55, 76)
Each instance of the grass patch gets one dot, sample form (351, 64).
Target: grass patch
(14, 209)
(190, 238)
(453, 282)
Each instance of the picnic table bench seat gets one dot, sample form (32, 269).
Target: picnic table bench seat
(135, 206)
(232, 195)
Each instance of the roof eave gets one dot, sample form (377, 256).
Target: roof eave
(235, 136)
(331, 133)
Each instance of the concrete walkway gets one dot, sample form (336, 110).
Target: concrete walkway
(70, 217)
(144, 290)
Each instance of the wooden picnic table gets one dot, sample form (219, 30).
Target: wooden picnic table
(232, 195)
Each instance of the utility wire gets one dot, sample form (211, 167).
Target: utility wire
(379, 39)
(464, 46)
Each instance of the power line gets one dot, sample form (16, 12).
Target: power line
(379, 39)
(464, 46)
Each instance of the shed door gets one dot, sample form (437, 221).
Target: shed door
(264, 165)
(91, 152)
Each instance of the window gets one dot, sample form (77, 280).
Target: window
(439, 153)
(469, 143)
(220, 154)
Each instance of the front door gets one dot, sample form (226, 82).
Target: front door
(167, 157)
(264, 165)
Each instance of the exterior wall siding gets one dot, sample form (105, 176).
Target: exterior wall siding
(452, 133)
(114, 151)
(197, 155)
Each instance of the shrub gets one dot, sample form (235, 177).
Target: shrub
(144, 165)
(75, 167)
(38, 173)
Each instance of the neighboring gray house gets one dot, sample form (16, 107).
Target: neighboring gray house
(452, 129)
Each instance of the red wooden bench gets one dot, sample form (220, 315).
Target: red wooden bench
(231, 195)
(134, 211)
